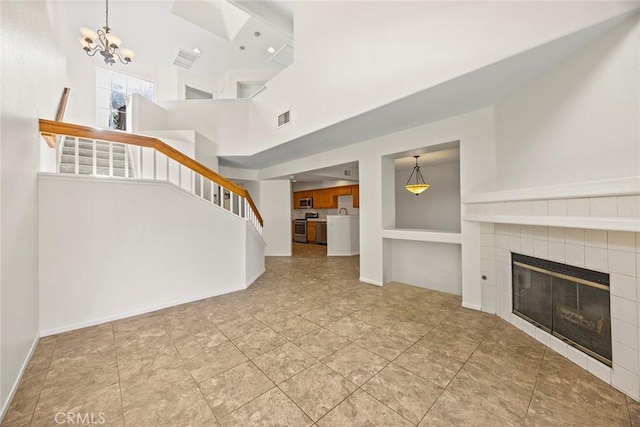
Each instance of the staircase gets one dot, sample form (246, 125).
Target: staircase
(85, 158)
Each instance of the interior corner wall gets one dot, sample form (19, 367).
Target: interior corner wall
(438, 208)
(275, 208)
(579, 121)
(33, 76)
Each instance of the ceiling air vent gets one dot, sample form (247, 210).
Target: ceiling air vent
(284, 118)
(185, 59)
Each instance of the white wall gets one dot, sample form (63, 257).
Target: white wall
(229, 81)
(438, 208)
(579, 121)
(32, 80)
(115, 248)
(275, 208)
(433, 266)
(474, 130)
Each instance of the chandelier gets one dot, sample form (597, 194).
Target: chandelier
(105, 43)
(418, 185)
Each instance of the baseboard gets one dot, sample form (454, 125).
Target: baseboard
(370, 281)
(256, 277)
(282, 254)
(14, 388)
(121, 316)
(350, 254)
(472, 306)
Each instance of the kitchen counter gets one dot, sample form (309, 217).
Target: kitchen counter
(316, 220)
(343, 235)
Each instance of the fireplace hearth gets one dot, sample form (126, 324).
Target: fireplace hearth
(572, 303)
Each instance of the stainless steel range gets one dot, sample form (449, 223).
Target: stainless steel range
(300, 227)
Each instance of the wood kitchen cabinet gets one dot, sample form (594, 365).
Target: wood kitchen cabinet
(311, 231)
(322, 199)
(300, 195)
(341, 191)
(327, 198)
(355, 192)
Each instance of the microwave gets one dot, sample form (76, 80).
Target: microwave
(306, 202)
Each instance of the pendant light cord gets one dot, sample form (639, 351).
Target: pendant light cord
(107, 15)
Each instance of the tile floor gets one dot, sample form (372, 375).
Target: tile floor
(308, 344)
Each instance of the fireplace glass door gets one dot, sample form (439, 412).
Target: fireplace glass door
(571, 303)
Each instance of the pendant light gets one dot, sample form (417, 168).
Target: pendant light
(418, 185)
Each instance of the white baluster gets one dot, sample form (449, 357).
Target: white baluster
(155, 164)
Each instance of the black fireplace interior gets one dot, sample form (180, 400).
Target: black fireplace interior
(572, 303)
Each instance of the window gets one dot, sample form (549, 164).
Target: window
(112, 90)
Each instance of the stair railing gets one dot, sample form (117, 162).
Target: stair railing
(153, 160)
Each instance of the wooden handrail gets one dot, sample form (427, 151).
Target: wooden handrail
(51, 127)
(50, 139)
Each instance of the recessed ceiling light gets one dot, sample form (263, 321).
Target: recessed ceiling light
(196, 50)
(270, 49)
(257, 33)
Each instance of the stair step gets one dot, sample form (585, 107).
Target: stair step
(88, 161)
(87, 144)
(70, 151)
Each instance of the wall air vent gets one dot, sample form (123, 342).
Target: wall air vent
(185, 59)
(347, 172)
(284, 118)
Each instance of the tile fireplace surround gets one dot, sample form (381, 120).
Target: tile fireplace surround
(598, 231)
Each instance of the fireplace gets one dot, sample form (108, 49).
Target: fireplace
(571, 303)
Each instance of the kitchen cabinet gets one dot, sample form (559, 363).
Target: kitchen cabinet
(311, 231)
(300, 195)
(355, 192)
(322, 199)
(327, 198)
(341, 191)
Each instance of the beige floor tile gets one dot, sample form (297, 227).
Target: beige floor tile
(317, 390)
(407, 329)
(505, 399)
(456, 346)
(451, 410)
(76, 376)
(429, 364)
(204, 361)
(326, 314)
(545, 410)
(374, 316)
(104, 404)
(271, 316)
(180, 327)
(294, 327)
(349, 327)
(273, 408)
(634, 412)
(321, 343)
(561, 380)
(404, 392)
(514, 364)
(355, 363)
(384, 344)
(260, 342)
(284, 362)
(146, 358)
(234, 388)
(360, 409)
(240, 326)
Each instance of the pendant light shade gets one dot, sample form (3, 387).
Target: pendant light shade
(416, 183)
